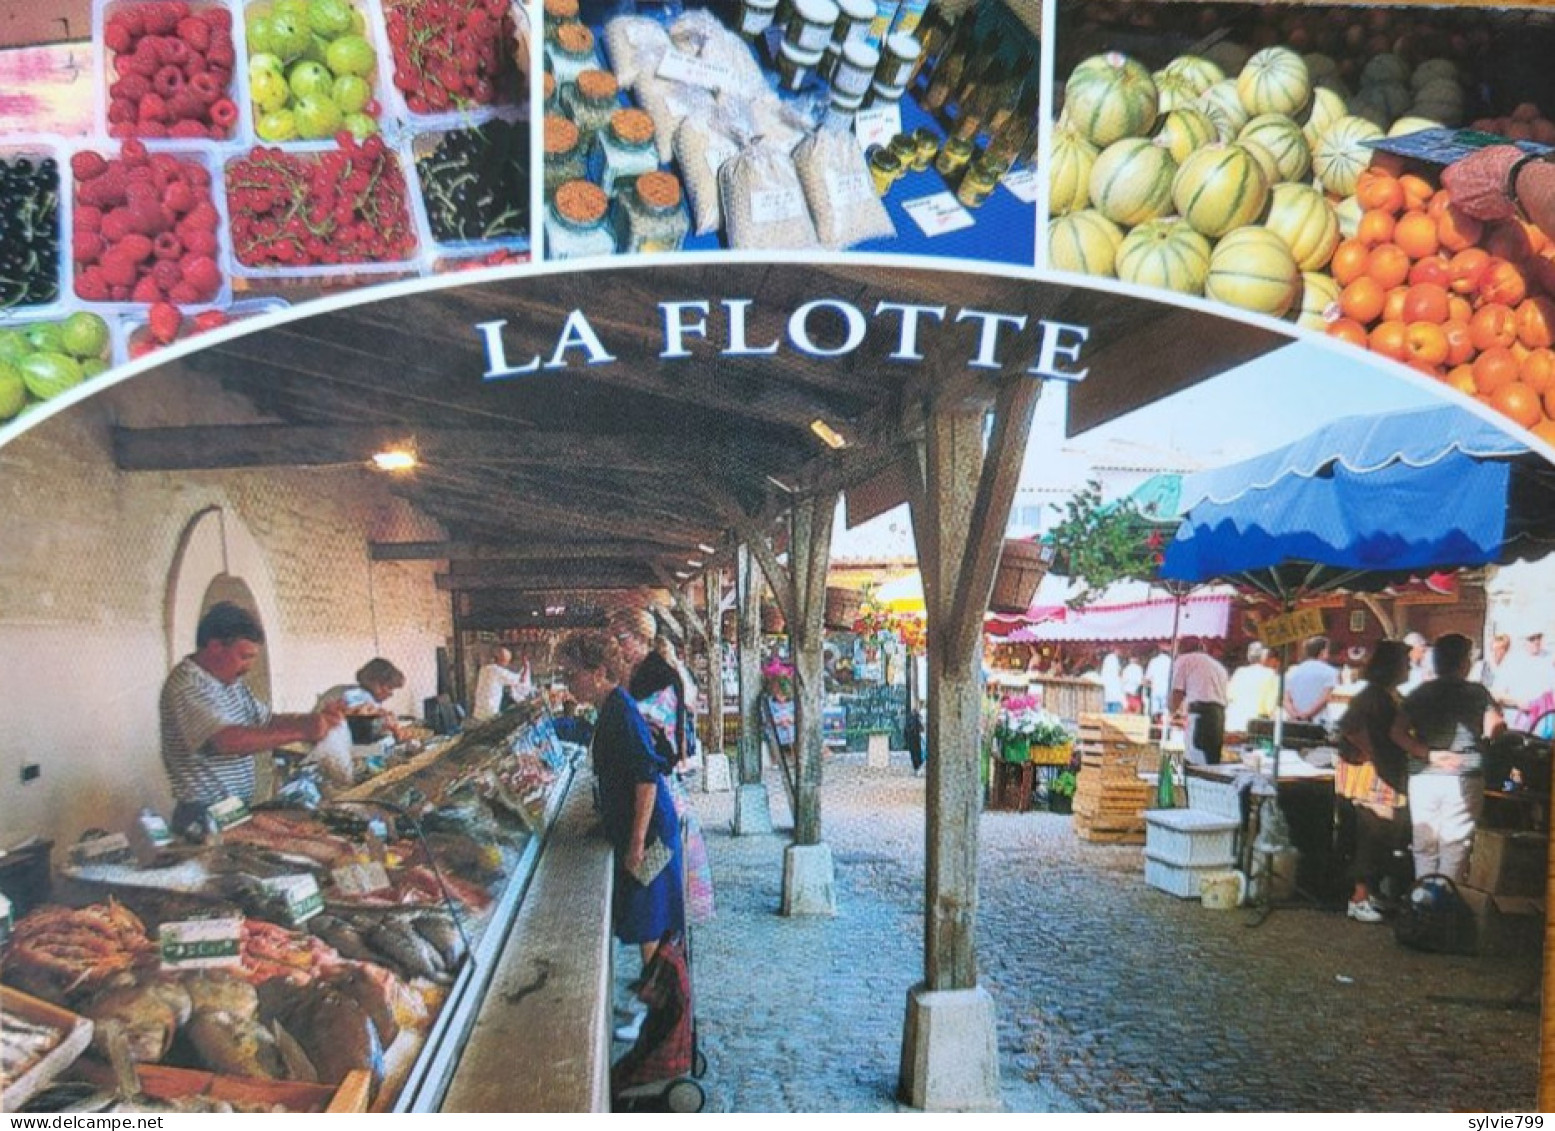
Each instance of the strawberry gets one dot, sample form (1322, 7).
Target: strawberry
(146, 290)
(164, 320)
(86, 165)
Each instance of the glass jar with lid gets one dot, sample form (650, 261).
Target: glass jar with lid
(559, 13)
(565, 157)
(625, 148)
(981, 176)
(651, 215)
(590, 101)
(953, 157)
(570, 53)
(548, 89)
(575, 226)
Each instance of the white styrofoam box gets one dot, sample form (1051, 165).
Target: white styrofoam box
(35, 147)
(237, 88)
(1190, 838)
(1220, 798)
(1177, 879)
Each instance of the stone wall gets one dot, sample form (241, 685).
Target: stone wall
(89, 558)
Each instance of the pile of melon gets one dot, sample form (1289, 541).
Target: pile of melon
(1226, 175)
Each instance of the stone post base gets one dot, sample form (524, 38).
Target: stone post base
(752, 811)
(809, 880)
(950, 1051)
(715, 774)
(878, 756)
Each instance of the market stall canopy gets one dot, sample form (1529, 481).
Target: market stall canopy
(1153, 620)
(1367, 501)
(609, 429)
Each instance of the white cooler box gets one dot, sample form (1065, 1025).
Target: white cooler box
(1183, 845)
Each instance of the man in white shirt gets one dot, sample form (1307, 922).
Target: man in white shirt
(1158, 676)
(1112, 683)
(1199, 688)
(1420, 666)
(495, 678)
(1310, 684)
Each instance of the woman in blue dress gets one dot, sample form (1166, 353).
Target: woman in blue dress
(635, 803)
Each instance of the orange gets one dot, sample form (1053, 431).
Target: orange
(1439, 202)
(1348, 330)
(1388, 264)
(1536, 322)
(1460, 344)
(1459, 309)
(1393, 305)
(1456, 230)
(1537, 370)
(1362, 300)
(1519, 402)
(1415, 232)
(1461, 377)
(1376, 189)
(1431, 269)
(1375, 227)
(1467, 268)
(1390, 339)
(1426, 343)
(1503, 282)
(1349, 261)
(1417, 191)
(1426, 302)
(1494, 368)
(1493, 326)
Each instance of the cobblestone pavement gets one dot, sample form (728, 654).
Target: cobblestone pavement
(1111, 996)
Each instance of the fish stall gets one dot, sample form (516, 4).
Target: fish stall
(314, 955)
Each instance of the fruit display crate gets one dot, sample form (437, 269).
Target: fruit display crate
(37, 147)
(508, 99)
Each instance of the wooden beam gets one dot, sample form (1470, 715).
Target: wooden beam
(678, 598)
(748, 644)
(579, 579)
(517, 551)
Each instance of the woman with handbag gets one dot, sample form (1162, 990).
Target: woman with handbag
(1373, 776)
(634, 799)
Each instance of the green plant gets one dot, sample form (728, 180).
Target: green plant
(1064, 784)
(1098, 544)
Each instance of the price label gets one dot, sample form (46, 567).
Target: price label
(302, 896)
(937, 214)
(680, 67)
(849, 188)
(100, 849)
(360, 879)
(1288, 629)
(877, 125)
(191, 944)
(773, 206)
(1023, 183)
(228, 813)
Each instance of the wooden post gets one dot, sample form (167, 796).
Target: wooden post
(713, 591)
(960, 506)
(748, 580)
(810, 555)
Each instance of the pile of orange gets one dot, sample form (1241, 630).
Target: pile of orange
(1468, 303)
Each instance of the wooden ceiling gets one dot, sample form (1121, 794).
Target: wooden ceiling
(618, 475)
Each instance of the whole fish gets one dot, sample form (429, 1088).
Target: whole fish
(235, 1046)
(439, 929)
(398, 941)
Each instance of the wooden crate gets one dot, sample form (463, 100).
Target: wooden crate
(75, 1034)
(1110, 797)
(351, 1096)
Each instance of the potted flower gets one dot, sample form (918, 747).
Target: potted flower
(1060, 792)
(777, 679)
(1049, 739)
(1017, 718)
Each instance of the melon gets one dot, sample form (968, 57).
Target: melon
(1131, 181)
(1327, 107)
(1173, 91)
(1265, 159)
(1349, 212)
(1219, 188)
(1165, 253)
(1320, 66)
(1384, 68)
(1341, 153)
(1185, 131)
(1084, 242)
(1110, 97)
(1069, 172)
(1302, 217)
(1410, 124)
(1252, 268)
(1275, 81)
(1441, 99)
(1199, 72)
(1433, 69)
(1224, 107)
(1283, 138)
(1319, 294)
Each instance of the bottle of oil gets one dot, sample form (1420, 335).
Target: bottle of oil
(952, 66)
(975, 99)
(1009, 137)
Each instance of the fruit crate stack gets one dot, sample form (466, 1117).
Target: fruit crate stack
(1110, 797)
(1182, 846)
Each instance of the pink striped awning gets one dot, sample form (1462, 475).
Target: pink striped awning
(1205, 616)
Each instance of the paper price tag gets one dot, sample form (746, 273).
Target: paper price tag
(680, 67)
(360, 879)
(228, 813)
(98, 849)
(773, 206)
(1023, 183)
(877, 125)
(848, 188)
(302, 896)
(192, 944)
(937, 214)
